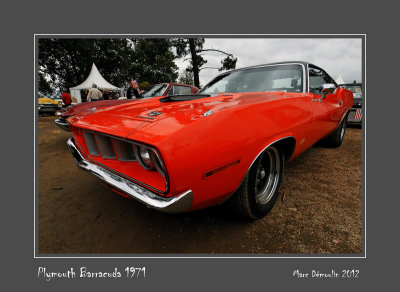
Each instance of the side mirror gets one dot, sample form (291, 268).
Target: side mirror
(327, 89)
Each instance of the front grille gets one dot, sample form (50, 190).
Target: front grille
(117, 155)
(105, 146)
(108, 147)
(91, 144)
(124, 150)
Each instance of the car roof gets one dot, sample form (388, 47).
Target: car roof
(304, 63)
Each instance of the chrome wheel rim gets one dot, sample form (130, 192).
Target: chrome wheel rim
(267, 176)
(342, 130)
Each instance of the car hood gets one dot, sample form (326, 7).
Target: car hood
(152, 115)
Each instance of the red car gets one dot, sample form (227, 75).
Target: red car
(157, 90)
(228, 142)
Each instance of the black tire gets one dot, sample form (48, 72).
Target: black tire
(260, 188)
(335, 139)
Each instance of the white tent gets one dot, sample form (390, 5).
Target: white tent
(93, 78)
(340, 80)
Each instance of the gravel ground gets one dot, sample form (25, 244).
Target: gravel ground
(319, 210)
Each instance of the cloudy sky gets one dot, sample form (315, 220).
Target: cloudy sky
(337, 56)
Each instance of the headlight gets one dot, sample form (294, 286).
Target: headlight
(144, 156)
(148, 158)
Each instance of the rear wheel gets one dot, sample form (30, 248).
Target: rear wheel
(335, 139)
(260, 188)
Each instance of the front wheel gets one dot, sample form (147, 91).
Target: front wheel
(260, 188)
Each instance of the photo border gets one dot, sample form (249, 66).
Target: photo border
(363, 255)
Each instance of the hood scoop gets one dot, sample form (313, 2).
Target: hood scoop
(171, 98)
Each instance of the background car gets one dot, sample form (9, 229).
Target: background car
(48, 106)
(168, 89)
(229, 142)
(355, 115)
(157, 90)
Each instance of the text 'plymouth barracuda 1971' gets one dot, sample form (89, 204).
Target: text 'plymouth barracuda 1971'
(229, 142)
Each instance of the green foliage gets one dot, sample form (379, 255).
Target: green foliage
(67, 62)
(144, 85)
(194, 47)
(153, 61)
(186, 77)
(44, 86)
(182, 46)
(228, 63)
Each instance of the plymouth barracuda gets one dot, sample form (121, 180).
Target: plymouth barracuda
(157, 90)
(229, 142)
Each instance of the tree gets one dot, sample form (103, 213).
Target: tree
(194, 47)
(186, 77)
(44, 85)
(67, 62)
(153, 61)
(144, 85)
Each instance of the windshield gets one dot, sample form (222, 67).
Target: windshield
(356, 89)
(156, 90)
(262, 79)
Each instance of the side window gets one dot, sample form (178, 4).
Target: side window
(171, 91)
(317, 78)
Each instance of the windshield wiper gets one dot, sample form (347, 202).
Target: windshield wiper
(183, 97)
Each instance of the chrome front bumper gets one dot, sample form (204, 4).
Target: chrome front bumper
(63, 124)
(47, 109)
(176, 204)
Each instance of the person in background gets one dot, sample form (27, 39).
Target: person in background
(83, 95)
(94, 94)
(132, 91)
(66, 98)
(106, 94)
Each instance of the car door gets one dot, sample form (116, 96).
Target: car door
(326, 107)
